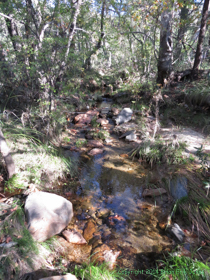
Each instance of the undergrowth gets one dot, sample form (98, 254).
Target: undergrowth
(159, 152)
(38, 163)
(21, 255)
(198, 94)
(182, 268)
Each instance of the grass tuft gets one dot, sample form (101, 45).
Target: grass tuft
(102, 272)
(158, 152)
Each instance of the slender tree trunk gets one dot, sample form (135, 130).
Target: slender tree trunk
(181, 31)
(63, 67)
(165, 51)
(6, 155)
(87, 63)
(198, 55)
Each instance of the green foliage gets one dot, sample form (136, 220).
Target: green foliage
(182, 268)
(36, 163)
(50, 244)
(80, 143)
(94, 123)
(25, 249)
(203, 157)
(102, 134)
(198, 94)
(159, 152)
(99, 134)
(14, 183)
(102, 272)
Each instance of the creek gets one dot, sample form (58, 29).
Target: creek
(121, 224)
(108, 196)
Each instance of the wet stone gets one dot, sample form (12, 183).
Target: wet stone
(126, 259)
(97, 254)
(105, 231)
(116, 221)
(95, 151)
(105, 110)
(105, 254)
(73, 252)
(95, 144)
(96, 241)
(103, 213)
(89, 230)
(153, 192)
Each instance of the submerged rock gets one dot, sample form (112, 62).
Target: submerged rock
(124, 116)
(105, 110)
(90, 229)
(73, 252)
(103, 253)
(95, 144)
(47, 214)
(95, 151)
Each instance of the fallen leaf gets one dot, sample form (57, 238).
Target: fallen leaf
(16, 207)
(8, 239)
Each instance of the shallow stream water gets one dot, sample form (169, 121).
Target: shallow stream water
(109, 193)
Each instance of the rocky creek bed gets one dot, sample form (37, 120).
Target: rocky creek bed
(123, 206)
(110, 198)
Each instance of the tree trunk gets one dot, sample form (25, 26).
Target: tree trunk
(87, 64)
(4, 149)
(165, 51)
(58, 80)
(198, 54)
(181, 31)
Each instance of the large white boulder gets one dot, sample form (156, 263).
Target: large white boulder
(47, 214)
(124, 116)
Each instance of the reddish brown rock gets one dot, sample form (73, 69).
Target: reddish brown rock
(153, 192)
(97, 254)
(85, 118)
(102, 122)
(95, 144)
(115, 111)
(89, 230)
(105, 254)
(74, 236)
(95, 151)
